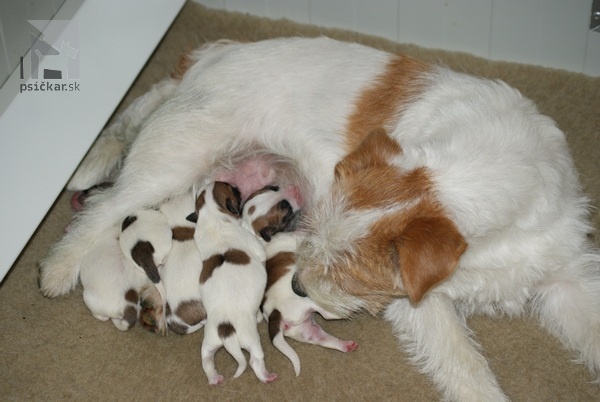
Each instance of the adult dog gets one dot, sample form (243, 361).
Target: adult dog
(429, 194)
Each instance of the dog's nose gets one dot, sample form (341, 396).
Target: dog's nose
(297, 286)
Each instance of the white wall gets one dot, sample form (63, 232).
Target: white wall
(551, 33)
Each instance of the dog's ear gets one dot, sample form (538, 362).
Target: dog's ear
(374, 150)
(228, 198)
(427, 250)
(267, 233)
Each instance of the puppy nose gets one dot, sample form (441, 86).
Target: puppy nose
(297, 286)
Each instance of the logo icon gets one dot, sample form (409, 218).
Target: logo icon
(54, 50)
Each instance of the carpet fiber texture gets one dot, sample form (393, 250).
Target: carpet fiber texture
(53, 349)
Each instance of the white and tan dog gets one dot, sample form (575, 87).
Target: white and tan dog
(430, 194)
(233, 281)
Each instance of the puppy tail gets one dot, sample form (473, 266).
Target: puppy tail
(280, 343)
(232, 345)
(276, 328)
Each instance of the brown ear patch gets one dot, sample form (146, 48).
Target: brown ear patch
(428, 250)
(228, 198)
(143, 255)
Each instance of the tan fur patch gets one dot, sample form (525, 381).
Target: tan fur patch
(209, 265)
(132, 296)
(277, 266)
(406, 252)
(225, 330)
(200, 201)
(380, 103)
(191, 311)
(227, 198)
(183, 64)
(183, 233)
(237, 257)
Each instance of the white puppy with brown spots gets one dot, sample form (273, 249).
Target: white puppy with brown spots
(181, 273)
(271, 216)
(111, 284)
(233, 280)
(146, 241)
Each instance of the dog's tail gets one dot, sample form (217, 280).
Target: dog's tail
(278, 340)
(232, 345)
(104, 159)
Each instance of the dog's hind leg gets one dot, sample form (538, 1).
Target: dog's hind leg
(106, 155)
(159, 165)
(568, 305)
(438, 341)
(210, 344)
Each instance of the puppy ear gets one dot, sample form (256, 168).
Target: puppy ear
(228, 198)
(428, 251)
(267, 233)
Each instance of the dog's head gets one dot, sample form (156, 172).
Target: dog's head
(218, 198)
(269, 211)
(380, 235)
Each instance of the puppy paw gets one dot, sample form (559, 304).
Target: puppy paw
(349, 346)
(270, 378)
(216, 379)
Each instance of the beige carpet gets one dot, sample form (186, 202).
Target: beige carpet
(53, 349)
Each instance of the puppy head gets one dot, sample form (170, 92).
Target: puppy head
(380, 235)
(218, 197)
(268, 211)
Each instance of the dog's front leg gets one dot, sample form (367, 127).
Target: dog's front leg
(439, 342)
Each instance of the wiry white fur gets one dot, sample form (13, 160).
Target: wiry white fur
(501, 171)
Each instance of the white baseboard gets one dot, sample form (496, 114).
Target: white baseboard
(44, 135)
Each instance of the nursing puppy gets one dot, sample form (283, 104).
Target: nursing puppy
(181, 272)
(288, 313)
(267, 212)
(111, 284)
(233, 281)
(429, 195)
(146, 240)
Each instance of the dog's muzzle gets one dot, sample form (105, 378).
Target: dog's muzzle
(297, 286)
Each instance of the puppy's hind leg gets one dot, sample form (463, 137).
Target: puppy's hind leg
(157, 167)
(439, 342)
(568, 305)
(250, 341)
(210, 344)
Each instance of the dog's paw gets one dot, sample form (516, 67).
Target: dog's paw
(349, 346)
(216, 379)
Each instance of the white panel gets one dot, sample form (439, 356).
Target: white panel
(16, 29)
(333, 13)
(592, 54)
(377, 18)
(295, 10)
(44, 135)
(40, 9)
(5, 69)
(255, 7)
